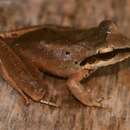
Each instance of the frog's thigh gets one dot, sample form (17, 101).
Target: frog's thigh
(35, 72)
(18, 75)
(76, 88)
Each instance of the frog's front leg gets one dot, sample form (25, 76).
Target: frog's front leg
(82, 94)
(19, 75)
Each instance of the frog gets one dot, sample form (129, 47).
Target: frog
(67, 52)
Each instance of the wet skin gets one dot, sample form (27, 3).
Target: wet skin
(62, 51)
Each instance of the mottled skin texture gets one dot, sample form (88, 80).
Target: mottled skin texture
(61, 51)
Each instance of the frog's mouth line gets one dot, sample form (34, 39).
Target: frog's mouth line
(105, 59)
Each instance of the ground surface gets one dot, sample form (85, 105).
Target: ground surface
(112, 82)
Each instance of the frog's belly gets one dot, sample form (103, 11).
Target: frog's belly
(59, 68)
(55, 67)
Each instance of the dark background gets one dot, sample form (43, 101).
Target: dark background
(111, 82)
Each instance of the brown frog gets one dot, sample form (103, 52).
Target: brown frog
(61, 51)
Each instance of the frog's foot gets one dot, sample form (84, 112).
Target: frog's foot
(49, 103)
(25, 97)
(84, 95)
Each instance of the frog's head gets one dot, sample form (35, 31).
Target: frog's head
(116, 47)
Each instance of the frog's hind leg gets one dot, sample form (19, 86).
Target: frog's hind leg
(36, 73)
(17, 74)
(79, 92)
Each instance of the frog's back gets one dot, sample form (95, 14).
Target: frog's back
(58, 49)
(56, 34)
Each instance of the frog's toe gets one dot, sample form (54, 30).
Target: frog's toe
(93, 104)
(49, 103)
(97, 104)
(90, 102)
